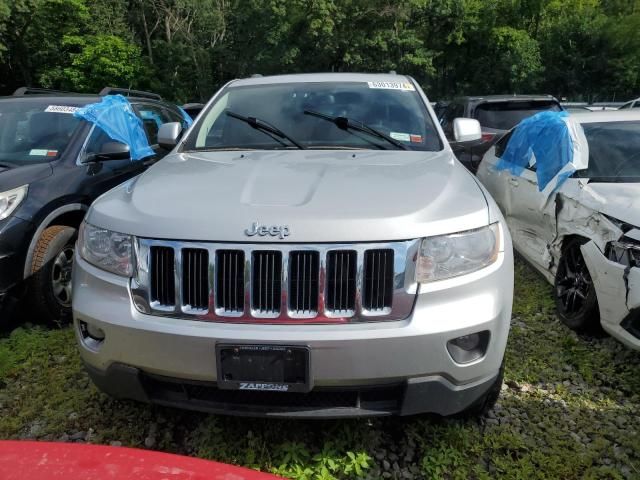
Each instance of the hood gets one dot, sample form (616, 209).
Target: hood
(618, 200)
(320, 196)
(16, 177)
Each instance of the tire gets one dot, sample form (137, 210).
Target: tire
(486, 402)
(51, 274)
(574, 292)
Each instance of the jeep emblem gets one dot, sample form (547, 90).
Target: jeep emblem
(281, 231)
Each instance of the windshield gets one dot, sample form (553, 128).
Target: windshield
(614, 151)
(34, 131)
(506, 115)
(396, 110)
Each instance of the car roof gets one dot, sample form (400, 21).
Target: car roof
(321, 77)
(505, 98)
(606, 116)
(73, 99)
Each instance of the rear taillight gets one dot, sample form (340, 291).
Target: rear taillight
(487, 137)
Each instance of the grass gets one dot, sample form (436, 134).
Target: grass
(568, 410)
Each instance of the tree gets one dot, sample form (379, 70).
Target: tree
(514, 62)
(186, 49)
(575, 49)
(102, 60)
(5, 13)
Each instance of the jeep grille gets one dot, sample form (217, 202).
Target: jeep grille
(275, 283)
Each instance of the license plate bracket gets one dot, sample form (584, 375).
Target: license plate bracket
(272, 368)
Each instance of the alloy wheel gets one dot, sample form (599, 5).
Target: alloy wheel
(61, 277)
(574, 282)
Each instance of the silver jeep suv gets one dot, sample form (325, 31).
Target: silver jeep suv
(311, 247)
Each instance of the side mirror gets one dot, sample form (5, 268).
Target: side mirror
(110, 151)
(169, 134)
(466, 130)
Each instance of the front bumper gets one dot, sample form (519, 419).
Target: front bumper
(395, 367)
(431, 394)
(15, 236)
(618, 292)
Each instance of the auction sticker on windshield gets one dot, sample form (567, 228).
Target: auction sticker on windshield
(404, 86)
(61, 109)
(403, 137)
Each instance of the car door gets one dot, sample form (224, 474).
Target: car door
(532, 228)
(532, 225)
(102, 176)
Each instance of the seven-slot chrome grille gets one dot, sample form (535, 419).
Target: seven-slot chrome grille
(275, 283)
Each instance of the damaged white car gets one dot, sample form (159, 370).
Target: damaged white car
(569, 188)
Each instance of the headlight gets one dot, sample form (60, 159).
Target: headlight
(447, 256)
(110, 251)
(10, 200)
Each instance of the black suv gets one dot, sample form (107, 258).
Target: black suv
(52, 166)
(497, 115)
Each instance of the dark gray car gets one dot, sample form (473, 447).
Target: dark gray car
(497, 114)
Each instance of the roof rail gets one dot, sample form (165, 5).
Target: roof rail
(127, 92)
(38, 91)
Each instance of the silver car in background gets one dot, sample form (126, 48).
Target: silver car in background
(585, 236)
(310, 248)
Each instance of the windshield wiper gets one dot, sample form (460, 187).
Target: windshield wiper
(264, 127)
(345, 123)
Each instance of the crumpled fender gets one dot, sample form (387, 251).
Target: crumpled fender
(617, 289)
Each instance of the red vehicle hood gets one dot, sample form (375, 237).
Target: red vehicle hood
(48, 461)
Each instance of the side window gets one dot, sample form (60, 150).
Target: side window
(152, 117)
(96, 140)
(636, 105)
(501, 145)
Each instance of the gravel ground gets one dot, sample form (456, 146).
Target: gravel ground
(568, 410)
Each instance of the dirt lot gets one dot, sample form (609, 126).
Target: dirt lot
(569, 409)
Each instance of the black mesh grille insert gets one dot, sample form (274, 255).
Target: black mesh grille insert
(266, 282)
(195, 278)
(230, 280)
(377, 287)
(304, 271)
(163, 283)
(341, 281)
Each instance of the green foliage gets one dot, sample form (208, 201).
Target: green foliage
(5, 13)
(186, 49)
(518, 59)
(101, 60)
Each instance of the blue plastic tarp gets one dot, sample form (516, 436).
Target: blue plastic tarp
(114, 114)
(186, 116)
(545, 135)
